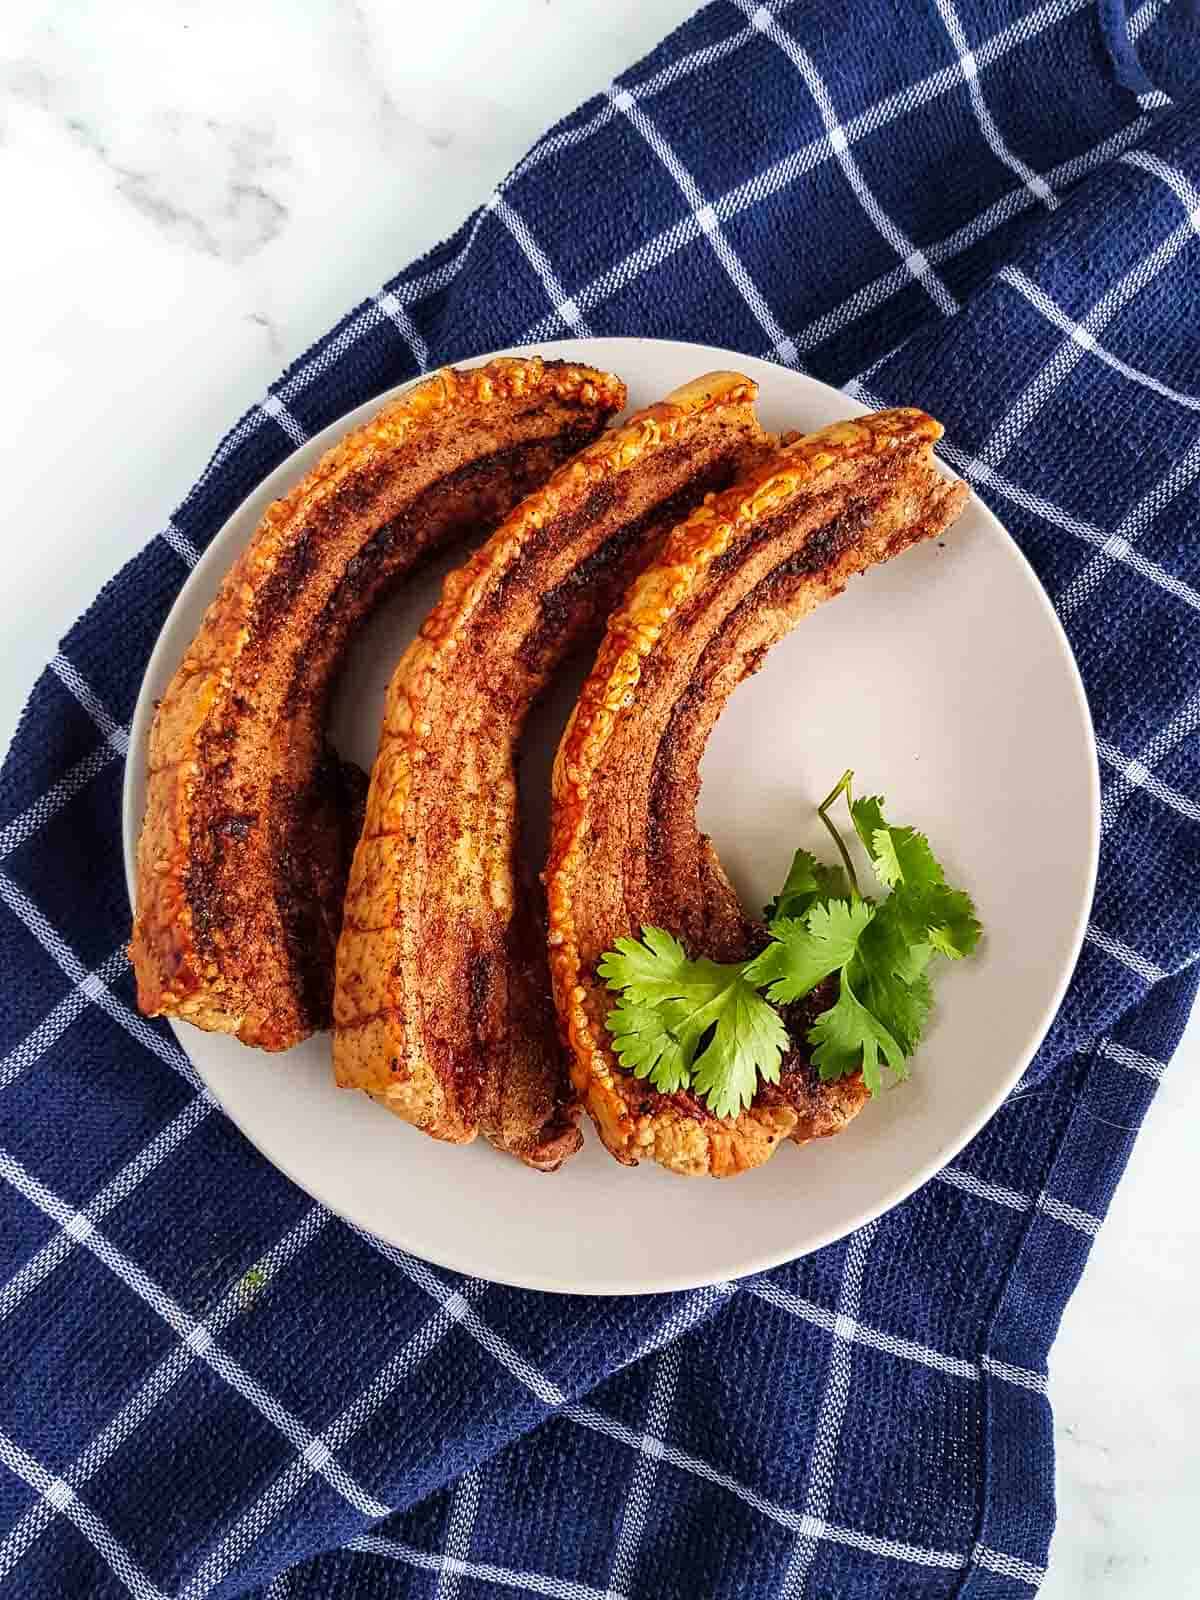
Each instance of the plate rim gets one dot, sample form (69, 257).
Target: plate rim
(133, 802)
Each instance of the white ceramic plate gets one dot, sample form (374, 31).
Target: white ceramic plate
(945, 680)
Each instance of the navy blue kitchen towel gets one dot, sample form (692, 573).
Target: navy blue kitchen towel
(211, 1386)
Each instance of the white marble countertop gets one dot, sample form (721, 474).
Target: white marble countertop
(173, 238)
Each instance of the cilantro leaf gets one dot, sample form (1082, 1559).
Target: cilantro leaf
(645, 1046)
(867, 815)
(848, 1037)
(899, 855)
(648, 969)
(747, 1043)
(808, 881)
(801, 953)
(888, 975)
(893, 943)
(901, 1005)
(928, 910)
(887, 857)
(954, 929)
(938, 916)
(682, 1021)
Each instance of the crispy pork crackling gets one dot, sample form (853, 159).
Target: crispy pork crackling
(250, 818)
(442, 1007)
(625, 850)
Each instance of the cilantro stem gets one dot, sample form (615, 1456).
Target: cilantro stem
(842, 787)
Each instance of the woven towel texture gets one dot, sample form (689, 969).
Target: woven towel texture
(988, 208)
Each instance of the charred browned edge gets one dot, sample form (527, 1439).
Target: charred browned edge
(403, 542)
(589, 590)
(818, 551)
(714, 541)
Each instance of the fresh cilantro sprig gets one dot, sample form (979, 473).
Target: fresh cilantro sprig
(696, 1024)
(714, 1028)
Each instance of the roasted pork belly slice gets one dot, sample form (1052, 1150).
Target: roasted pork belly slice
(443, 1011)
(625, 850)
(250, 819)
